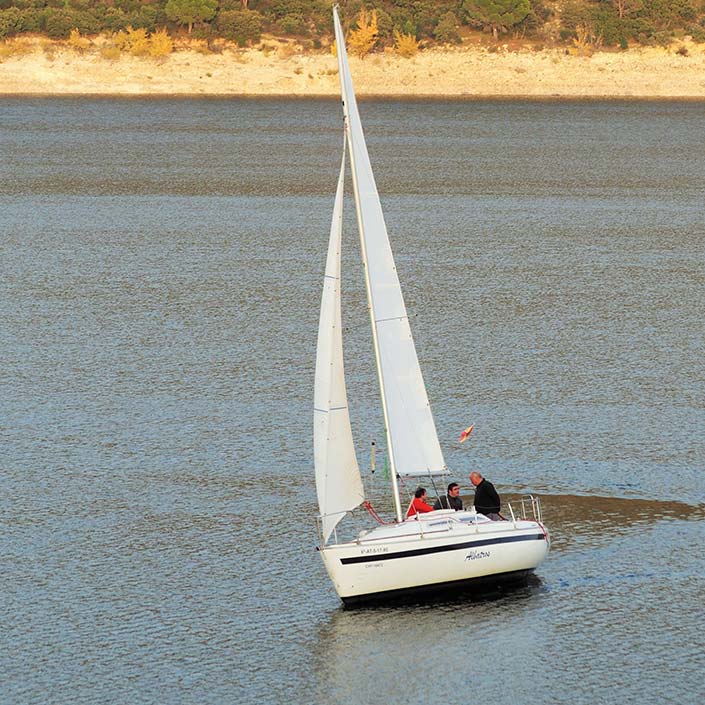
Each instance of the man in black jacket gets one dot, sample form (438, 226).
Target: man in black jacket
(486, 497)
(451, 500)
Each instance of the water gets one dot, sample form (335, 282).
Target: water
(161, 269)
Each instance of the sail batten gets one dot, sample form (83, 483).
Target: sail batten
(412, 438)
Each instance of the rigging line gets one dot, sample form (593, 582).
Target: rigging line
(373, 513)
(435, 489)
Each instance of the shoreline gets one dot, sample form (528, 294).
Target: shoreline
(41, 70)
(371, 97)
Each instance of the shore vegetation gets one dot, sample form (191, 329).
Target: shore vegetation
(371, 25)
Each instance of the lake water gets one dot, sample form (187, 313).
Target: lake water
(161, 266)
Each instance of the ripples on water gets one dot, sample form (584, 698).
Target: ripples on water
(161, 272)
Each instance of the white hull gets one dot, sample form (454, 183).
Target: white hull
(440, 550)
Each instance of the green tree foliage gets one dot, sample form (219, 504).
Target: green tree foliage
(58, 23)
(497, 15)
(293, 23)
(190, 11)
(420, 17)
(600, 20)
(241, 26)
(10, 22)
(385, 26)
(612, 22)
(447, 29)
(645, 21)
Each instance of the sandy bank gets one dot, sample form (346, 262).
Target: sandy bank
(642, 72)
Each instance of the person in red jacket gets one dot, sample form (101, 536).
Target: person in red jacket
(418, 504)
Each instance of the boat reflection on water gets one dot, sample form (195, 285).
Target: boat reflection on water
(375, 654)
(613, 557)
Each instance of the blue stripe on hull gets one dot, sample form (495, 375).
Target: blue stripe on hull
(377, 557)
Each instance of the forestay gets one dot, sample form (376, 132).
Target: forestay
(338, 482)
(415, 449)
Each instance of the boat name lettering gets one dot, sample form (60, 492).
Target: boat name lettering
(379, 549)
(474, 555)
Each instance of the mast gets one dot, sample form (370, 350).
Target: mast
(375, 345)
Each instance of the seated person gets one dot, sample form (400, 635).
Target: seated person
(451, 500)
(418, 504)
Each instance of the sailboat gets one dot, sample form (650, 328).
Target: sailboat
(436, 551)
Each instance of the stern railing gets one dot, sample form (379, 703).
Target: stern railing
(529, 508)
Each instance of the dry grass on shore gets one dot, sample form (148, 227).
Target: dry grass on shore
(36, 66)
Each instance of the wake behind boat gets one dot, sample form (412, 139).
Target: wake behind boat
(436, 551)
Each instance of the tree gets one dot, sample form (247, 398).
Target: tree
(406, 45)
(625, 7)
(241, 26)
(362, 39)
(447, 29)
(190, 11)
(497, 15)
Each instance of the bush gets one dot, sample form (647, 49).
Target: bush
(241, 26)
(447, 29)
(363, 39)
(294, 23)
(496, 15)
(114, 19)
(110, 52)
(13, 48)
(120, 41)
(77, 42)
(10, 22)
(147, 18)
(385, 25)
(160, 44)
(405, 45)
(58, 23)
(609, 26)
(31, 19)
(698, 33)
(281, 8)
(138, 41)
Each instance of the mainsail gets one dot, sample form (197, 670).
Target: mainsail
(338, 481)
(414, 447)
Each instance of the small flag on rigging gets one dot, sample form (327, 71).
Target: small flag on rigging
(464, 435)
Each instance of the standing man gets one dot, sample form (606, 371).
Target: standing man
(486, 497)
(451, 500)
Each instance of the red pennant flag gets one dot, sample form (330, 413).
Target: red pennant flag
(466, 433)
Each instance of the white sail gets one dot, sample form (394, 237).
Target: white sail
(338, 481)
(414, 447)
